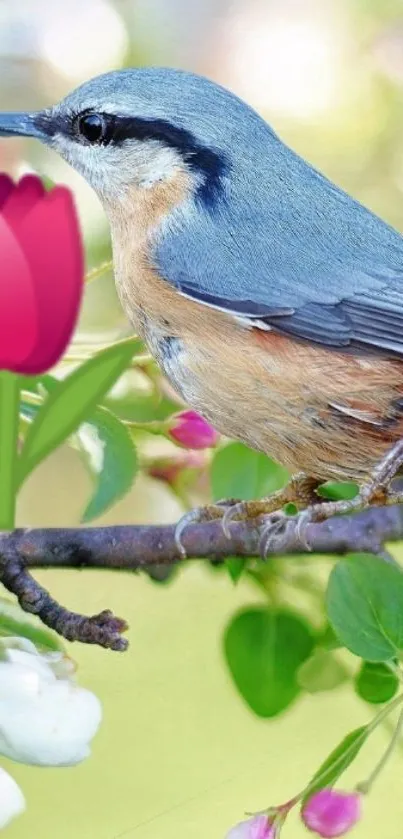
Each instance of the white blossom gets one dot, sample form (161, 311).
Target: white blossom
(12, 801)
(46, 718)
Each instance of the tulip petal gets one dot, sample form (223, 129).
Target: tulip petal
(6, 187)
(18, 311)
(50, 238)
(25, 194)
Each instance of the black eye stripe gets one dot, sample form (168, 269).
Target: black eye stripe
(208, 162)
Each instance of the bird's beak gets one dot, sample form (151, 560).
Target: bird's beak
(21, 124)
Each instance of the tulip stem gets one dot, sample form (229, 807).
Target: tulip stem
(9, 411)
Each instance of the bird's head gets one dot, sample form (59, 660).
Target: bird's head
(142, 126)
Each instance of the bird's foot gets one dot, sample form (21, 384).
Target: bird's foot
(282, 533)
(300, 490)
(200, 515)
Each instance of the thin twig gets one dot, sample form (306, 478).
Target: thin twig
(103, 629)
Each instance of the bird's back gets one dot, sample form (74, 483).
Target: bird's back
(280, 236)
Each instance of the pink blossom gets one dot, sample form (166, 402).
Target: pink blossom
(169, 468)
(330, 812)
(190, 430)
(258, 827)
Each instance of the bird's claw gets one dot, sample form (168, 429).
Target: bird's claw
(273, 533)
(231, 513)
(280, 532)
(203, 514)
(189, 518)
(303, 519)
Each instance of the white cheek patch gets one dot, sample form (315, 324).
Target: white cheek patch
(81, 158)
(156, 163)
(112, 169)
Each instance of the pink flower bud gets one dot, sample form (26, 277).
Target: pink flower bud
(169, 468)
(258, 827)
(331, 813)
(190, 430)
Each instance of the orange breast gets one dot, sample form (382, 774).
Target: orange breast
(351, 404)
(331, 414)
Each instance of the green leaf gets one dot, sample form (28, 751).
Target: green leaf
(240, 472)
(338, 491)
(72, 401)
(15, 622)
(137, 406)
(161, 574)
(375, 682)
(338, 761)
(235, 567)
(328, 639)
(322, 671)
(264, 649)
(110, 455)
(365, 606)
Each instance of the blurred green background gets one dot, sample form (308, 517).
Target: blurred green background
(179, 754)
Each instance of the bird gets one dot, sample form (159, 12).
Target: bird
(271, 299)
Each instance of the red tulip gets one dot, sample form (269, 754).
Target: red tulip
(41, 273)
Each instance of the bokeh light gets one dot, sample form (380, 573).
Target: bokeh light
(289, 64)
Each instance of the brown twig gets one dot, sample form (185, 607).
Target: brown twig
(103, 629)
(136, 547)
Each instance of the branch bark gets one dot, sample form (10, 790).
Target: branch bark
(136, 547)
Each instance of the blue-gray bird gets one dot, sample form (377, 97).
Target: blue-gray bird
(272, 300)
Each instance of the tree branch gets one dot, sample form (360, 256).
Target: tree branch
(136, 547)
(103, 629)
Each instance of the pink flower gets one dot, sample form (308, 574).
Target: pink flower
(41, 274)
(258, 827)
(331, 813)
(190, 430)
(170, 468)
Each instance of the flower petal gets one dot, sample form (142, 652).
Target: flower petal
(12, 801)
(6, 188)
(50, 238)
(257, 827)
(330, 812)
(18, 311)
(23, 197)
(52, 727)
(189, 429)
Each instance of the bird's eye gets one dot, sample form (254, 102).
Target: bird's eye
(92, 127)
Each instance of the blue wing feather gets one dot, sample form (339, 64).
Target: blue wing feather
(283, 244)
